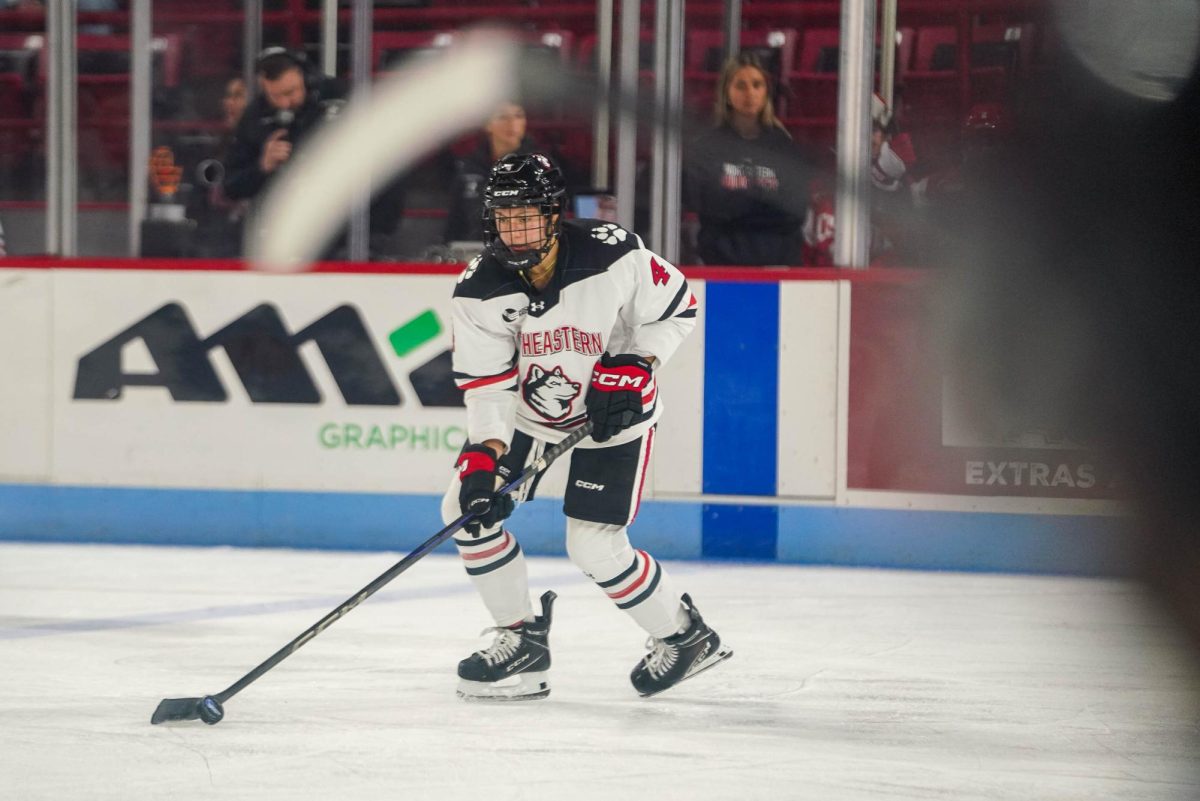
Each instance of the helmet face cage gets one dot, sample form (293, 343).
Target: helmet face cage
(528, 181)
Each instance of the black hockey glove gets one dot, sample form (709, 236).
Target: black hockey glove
(480, 477)
(622, 389)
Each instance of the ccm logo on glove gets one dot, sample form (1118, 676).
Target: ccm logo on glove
(626, 378)
(622, 391)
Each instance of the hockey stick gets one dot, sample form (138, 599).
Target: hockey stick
(210, 708)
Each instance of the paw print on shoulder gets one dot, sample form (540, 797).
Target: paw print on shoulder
(471, 268)
(609, 233)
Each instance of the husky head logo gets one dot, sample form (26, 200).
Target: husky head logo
(549, 393)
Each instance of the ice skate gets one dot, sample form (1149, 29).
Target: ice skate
(515, 667)
(678, 657)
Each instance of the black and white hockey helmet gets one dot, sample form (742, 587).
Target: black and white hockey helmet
(523, 180)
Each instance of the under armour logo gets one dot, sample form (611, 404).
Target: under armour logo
(538, 306)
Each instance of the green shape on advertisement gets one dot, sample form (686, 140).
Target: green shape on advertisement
(416, 332)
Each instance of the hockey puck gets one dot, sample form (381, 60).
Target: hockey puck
(210, 710)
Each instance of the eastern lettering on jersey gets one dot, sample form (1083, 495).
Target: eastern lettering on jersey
(658, 273)
(563, 338)
(549, 392)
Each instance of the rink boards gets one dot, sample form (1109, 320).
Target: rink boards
(808, 419)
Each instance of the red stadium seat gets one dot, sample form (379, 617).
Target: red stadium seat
(585, 56)
(1000, 55)
(932, 88)
(814, 83)
(816, 137)
(21, 56)
(103, 88)
(16, 124)
(391, 48)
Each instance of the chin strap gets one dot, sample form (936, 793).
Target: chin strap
(532, 275)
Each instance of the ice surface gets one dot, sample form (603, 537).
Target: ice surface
(844, 685)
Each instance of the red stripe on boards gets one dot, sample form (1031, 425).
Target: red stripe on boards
(888, 275)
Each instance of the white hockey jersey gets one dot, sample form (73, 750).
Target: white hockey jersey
(524, 358)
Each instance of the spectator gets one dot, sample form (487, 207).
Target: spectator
(891, 152)
(504, 133)
(292, 101)
(219, 219)
(745, 177)
(894, 197)
(233, 103)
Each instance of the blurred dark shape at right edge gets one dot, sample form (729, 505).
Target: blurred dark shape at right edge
(1073, 261)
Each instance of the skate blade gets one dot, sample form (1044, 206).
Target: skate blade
(521, 687)
(712, 660)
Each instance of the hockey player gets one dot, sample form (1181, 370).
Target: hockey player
(556, 323)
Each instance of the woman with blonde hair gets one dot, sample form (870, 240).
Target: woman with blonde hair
(745, 80)
(744, 177)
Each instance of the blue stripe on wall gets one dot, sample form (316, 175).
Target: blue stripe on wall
(331, 520)
(741, 388)
(1016, 543)
(825, 535)
(740, 532)
(217, 517)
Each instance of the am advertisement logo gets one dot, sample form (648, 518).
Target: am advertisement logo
(266, 357)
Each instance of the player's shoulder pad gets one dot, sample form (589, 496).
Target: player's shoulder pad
(598, 243)
(484, 278)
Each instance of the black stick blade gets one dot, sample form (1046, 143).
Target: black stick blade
(176, 709)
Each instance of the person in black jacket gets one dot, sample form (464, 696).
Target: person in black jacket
(504, 133)
(745, 177)
(293, 100)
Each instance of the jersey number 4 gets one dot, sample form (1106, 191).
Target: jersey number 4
(659, 273)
